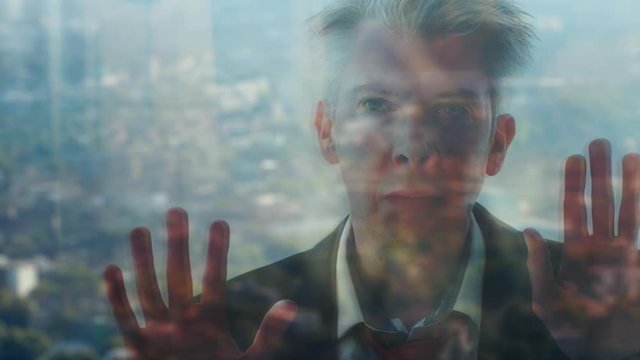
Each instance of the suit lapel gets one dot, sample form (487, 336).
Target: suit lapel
(315, 329)
(509, 329)
(506, 295)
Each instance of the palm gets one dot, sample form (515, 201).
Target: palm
(592, 306)
(196, 338)
(185, 329)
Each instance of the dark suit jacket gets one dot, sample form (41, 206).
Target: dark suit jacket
(509, 329)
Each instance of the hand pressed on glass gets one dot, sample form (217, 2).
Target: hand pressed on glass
(592, 306)
(186, 329)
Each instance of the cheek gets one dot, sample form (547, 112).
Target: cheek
(465, 141)
(362, 147)
(464, 173)
(467, 149)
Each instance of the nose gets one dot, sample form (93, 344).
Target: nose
(413, 145)
(417, 155)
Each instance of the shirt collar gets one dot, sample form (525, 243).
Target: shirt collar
(468, 301)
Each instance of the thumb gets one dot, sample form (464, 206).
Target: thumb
(543, 283)
(271, 331)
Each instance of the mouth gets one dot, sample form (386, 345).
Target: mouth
(418, 193)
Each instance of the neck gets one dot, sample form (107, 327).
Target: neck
(413, 269)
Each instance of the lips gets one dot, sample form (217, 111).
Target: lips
(413, 193)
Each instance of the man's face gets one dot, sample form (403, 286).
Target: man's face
(412, 128)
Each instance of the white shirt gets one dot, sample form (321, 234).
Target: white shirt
(469, 300)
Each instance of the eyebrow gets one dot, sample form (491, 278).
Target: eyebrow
(382, 89)
(374, 88)
(461, 92)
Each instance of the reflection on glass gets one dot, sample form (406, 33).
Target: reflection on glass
(113, 112)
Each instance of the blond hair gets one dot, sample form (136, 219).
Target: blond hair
(500, 24)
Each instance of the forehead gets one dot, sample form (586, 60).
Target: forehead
(410, 61)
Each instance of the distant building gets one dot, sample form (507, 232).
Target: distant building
(18, 276)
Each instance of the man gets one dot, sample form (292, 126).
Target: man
(418, 269)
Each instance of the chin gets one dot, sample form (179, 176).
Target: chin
(419, 220)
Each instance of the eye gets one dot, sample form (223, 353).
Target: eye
(376, 105)
(452, 113)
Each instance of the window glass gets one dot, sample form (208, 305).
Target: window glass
(114, 111)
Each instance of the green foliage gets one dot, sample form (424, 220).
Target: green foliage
(73, 354)
(22, 344)
(68, 314)
(17, 341)
(14, 312)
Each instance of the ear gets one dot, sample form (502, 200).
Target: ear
(324, 125)
(505, 130)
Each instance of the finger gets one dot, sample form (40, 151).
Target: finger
(601, 190)
(575, 211)
(272, 329)
(178, 267)
(628, 217)
(122, 312)
(215, 274)
(543, 283)
(151, 302)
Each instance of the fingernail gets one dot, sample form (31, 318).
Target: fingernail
(289, 309)
(139, 233)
